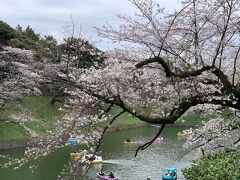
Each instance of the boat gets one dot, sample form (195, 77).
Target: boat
(105, 177)
(91, 159)
(73, 141)
(128, 141)
(187, 132)
(159, 140)
(169, 173)
(75, 154)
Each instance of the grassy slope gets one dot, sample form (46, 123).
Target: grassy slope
(45, 113)
(196, 118)
(125, 120)
(10, 131)
(39, 107)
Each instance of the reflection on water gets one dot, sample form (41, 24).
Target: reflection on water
(117, 158)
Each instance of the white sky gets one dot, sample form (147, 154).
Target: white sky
(50, 16)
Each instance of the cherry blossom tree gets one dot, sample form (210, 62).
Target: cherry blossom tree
(19, 72)
(215, 134)
(171, 63)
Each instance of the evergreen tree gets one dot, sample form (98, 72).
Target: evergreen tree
(29, 33)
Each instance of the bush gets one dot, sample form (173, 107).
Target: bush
(222, 165)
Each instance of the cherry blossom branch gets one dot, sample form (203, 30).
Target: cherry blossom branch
(159, 60)
(147, 144)
(170, 26)
(169, 73)
(102, 135)
(223, 33)
(175, 113)
(105, 130)
(234, 65)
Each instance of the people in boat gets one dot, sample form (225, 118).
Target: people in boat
(86, 158)
(101, 173)
(128, 140)
(188, 131)
(111, 175)
(159, 138)
(92, 158)
(167, 172)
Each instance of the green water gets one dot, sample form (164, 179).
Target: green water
(117, 157)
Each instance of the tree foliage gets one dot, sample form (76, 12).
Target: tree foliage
(30, 33)
(18, 37)
(222, 165)
(81, 53)
(6, 33)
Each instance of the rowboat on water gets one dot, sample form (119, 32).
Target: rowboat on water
(106, 177)
(91, 159)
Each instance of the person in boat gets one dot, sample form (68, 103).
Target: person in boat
(86, 158)
(92, 158)
(167, 172)
(111, 175)
(128, 140)
(101, 173)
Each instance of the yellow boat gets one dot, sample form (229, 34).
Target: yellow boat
(129, 142)
(183, 134)
(92, 162)
(77, 154)
(187, 132)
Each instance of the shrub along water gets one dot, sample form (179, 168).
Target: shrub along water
(222, 165)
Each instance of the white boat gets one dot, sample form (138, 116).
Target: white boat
(91, 159)
(159, 140)
(187, 132)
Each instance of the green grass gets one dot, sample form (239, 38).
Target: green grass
(39, 107)
(125, 119)
(10, 131)
(196, 118)
(44, 111)
(45, 114)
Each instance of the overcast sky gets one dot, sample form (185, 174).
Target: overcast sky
(50, 16)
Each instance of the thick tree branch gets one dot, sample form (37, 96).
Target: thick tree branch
(228, 87)
(175, 113)
(159, 60)
(237, 141)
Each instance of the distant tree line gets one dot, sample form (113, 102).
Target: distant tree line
(18, 37)
(80, 51)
